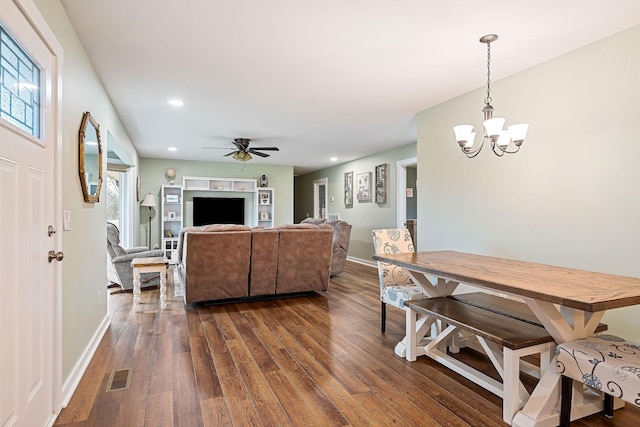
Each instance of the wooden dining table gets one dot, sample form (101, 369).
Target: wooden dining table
(568, 302)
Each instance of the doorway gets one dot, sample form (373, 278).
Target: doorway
(31, 193)
(320, 197)
(407, 200)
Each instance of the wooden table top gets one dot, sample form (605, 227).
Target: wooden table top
(149, 261)
(584, 290)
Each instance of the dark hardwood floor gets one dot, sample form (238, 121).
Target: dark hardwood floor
(316, 360)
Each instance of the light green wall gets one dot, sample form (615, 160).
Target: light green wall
(152, 173)
(363, 216)
(84, 265)
(569, 197)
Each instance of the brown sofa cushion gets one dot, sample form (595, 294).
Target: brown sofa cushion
(298, 226)
(218, 264)
(340, 244)
(264, 261)
(304, 258)
(219, 228)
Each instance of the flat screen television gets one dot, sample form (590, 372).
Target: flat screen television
(218, 210)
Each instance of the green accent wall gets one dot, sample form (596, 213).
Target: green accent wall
(363, 216)
(152, 177)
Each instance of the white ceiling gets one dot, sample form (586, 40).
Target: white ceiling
(340, 78)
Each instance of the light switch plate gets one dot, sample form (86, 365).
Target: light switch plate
(67, 221)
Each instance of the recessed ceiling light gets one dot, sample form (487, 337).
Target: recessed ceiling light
(176, 102)
(334, 159)
(172, 149)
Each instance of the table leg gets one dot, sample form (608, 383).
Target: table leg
(163, 288)
(136, 289)
(418, 327)
(411, 339)
(563, 325)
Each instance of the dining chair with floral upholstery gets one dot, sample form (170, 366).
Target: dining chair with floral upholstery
(396, 286)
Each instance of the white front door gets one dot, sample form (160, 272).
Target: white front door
(28, 334)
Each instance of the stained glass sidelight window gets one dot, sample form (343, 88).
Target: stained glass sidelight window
(19, 86)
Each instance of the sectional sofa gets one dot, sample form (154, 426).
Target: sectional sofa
(220, 262)
(340, 243)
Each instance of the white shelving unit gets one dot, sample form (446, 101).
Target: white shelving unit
(195, 183)
(238, 185)
(265, 206)
(172, 211)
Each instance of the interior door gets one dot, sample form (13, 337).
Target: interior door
(320, 197)
(28, 284)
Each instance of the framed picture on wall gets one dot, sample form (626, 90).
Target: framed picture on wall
(381, 183)
(348, 188)
(363, 186)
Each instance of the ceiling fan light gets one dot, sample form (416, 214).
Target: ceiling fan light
(493, 127)
(247, 157)
(236, 156)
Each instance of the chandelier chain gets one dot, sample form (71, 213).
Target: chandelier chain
(488, 98)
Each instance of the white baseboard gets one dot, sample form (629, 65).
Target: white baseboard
(370, 263)
(70, 385)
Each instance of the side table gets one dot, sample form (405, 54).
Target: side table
(149, 265)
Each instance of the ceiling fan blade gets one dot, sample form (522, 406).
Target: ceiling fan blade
(229, 154)
(267, 148)
(217, 148)
(257, 153)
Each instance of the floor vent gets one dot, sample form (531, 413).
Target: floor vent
(119, 380)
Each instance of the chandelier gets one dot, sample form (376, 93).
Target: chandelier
(502, 140)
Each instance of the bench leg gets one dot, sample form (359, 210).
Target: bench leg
(608, 406)
(383, 316)
(565, 401)
(510, 384)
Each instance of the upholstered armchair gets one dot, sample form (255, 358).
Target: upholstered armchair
(396, 286)
(119, 268)
(340, 242)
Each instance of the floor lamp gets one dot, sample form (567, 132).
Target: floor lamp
(150, 202)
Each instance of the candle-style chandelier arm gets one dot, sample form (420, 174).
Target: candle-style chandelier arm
(500, 139)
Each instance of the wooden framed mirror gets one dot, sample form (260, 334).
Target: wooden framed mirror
(90, 158)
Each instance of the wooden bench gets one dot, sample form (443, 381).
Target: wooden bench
(506, 330)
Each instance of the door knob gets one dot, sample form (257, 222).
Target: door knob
(55, 255)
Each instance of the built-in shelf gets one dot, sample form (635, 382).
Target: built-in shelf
(265, 206)
(191, 183)
(261, 199)
(171, 219)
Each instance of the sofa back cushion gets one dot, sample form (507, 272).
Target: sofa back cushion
(264, 261)
(216, 264)
(304, 258)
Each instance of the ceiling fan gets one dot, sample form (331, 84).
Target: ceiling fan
(243, 153)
